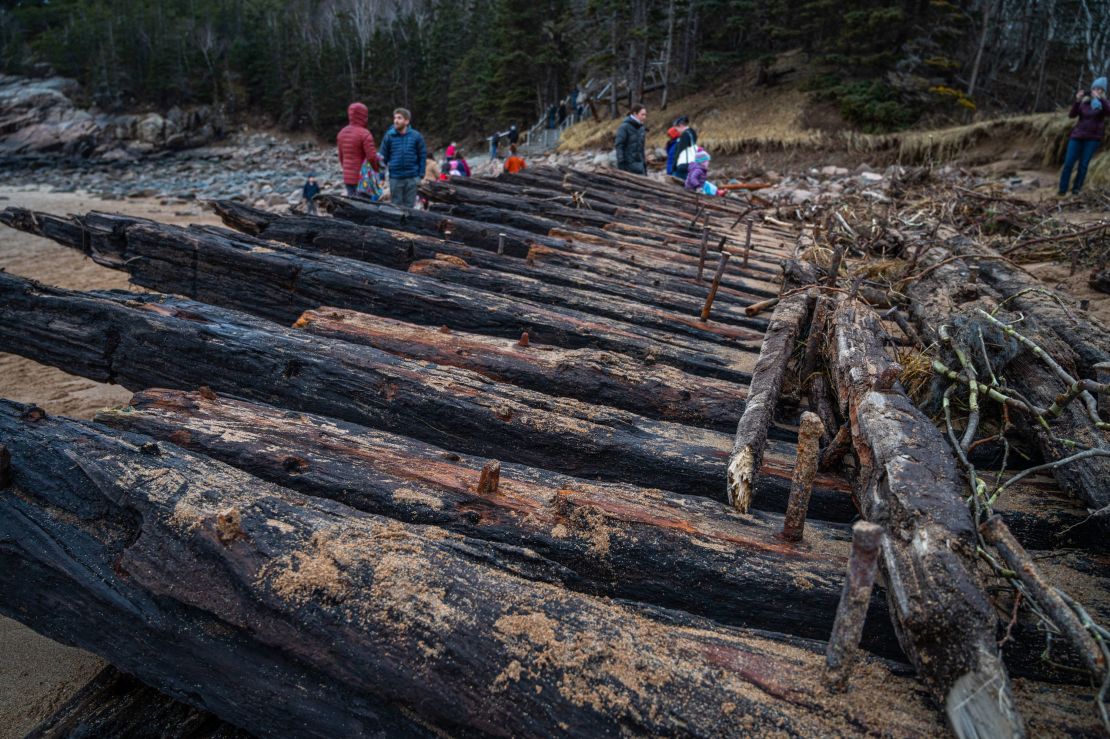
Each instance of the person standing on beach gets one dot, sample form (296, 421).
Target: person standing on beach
(1090, 107)
(630, 141)
(309, 192)
(356, 145)
(404, 154)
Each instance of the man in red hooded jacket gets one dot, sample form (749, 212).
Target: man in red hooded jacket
(356, 145)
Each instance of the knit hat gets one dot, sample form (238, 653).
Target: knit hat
(682, 121)
(702, 155)
(1100, 83)
(672, 133)
(451, 150)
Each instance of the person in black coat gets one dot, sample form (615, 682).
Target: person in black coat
(630, 141)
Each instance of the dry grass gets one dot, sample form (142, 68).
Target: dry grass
(730, 119)
(917, 372)
(738, 117)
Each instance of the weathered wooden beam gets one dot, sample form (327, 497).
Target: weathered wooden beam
(284, 281)
(567, 248)
(909, 485)
(291, 614)
(751, 432)
(142, 341)
(608, 306)
(603, 378)
(399, 250)
(617, 540)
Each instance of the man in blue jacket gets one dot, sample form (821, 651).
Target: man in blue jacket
(404, 153)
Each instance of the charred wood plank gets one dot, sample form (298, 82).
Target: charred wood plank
(909, 485)
(617, 540)
(596, 377)
(288, 613)
(450, 270)
(285, 281)
(569, 252)
(141, 341)
(399, 250)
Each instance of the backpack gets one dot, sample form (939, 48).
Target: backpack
(671, 146)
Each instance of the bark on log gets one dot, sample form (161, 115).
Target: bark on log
(617, 540)
(141, 341)
(909, 485)
(117, 705)
(285, 281)
(585, 374)
(399, 250)
(291, 614)
(940, 296)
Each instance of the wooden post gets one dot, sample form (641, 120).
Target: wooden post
(704, 250)
(854, 598)
(997, 534)
(716, 284)
(805, 467)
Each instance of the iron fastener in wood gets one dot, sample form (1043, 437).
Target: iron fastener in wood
(843, 647)
(801, 486)
(714, 287)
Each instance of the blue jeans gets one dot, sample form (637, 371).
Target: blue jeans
(1079, 151)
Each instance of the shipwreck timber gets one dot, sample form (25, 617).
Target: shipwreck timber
(482, 455)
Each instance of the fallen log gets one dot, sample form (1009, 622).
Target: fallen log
(1024, 293)
(941, 296)
(291, 614)
(909, 485)
(285, 281)
(399, 250)
(595, 377)
(117, 705)
(640, 545)
(141, 341)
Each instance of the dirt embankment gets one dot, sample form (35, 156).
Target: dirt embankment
(37, 675)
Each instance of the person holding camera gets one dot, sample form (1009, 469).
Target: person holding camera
(1090, 107)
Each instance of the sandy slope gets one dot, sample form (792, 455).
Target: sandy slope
(36, 674)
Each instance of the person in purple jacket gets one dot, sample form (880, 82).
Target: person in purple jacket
(1090, 107)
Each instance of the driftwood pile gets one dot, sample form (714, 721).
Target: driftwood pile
(534, 462)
